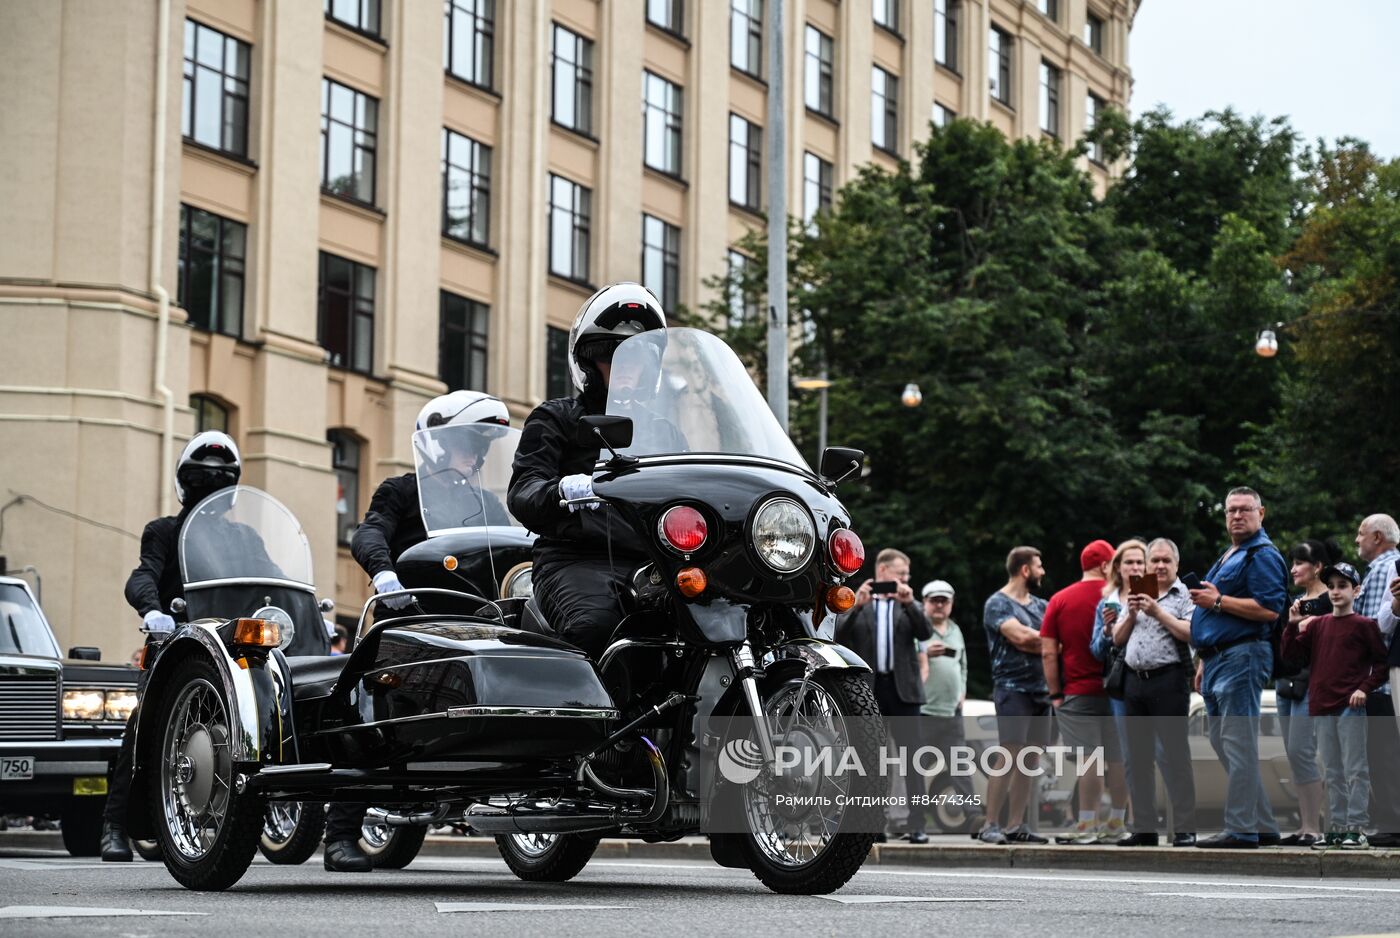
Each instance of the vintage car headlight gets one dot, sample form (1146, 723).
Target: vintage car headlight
(783, 535)
(283, 620)
(83, 703)
(519, 582)
(119, 704)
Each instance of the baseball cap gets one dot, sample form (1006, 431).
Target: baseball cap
(1342, 569)
(937, 588)
(1095, 553)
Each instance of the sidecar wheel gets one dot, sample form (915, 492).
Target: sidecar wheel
(147, 850)
(207, 831)
(391, 847)
(291, 831)
(546, 858)
(818, 852)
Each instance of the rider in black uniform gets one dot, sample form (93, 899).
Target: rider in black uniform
(586, 552)
(393, 524)
(209, 463)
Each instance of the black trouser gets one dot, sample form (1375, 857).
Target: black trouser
(904, 731)
(1157, 704)
(583, 600)
(344, 820)
(119, 779)
(1383, 757)
(943, 733)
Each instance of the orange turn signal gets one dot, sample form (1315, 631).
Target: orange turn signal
(840, 598)
(449, 563)
(257, 632)
(691, 581)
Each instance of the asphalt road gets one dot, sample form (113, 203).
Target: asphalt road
(469, 896)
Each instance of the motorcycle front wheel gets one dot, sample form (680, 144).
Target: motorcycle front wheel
(291, 831)
(814, 851)
(547, 858)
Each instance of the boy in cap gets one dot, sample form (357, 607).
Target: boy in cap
(1347, 658)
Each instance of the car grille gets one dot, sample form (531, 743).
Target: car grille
(28, 708)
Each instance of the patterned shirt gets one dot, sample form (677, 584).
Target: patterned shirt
(1374, 587)
(1151, 645)
(1012, 668)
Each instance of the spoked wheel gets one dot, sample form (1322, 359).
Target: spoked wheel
(207, 831)
(291, 831)
(391, 847)
(547, 858)
(805, 837)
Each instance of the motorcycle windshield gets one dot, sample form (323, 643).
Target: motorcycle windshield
(243, 533)
(687, 392)
(463, 475)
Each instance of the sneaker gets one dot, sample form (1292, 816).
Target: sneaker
(1077, 836)
(1112, 832)
(1022, 835)
(992, 835)
(1329, 839)
(1352, 840)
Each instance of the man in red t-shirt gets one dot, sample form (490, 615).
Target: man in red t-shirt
(1075, 679)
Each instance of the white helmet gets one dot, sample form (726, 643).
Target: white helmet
(209, 462)
(459, 407)
(613, 314)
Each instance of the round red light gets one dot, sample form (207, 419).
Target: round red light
(684, 528)
(847, 552)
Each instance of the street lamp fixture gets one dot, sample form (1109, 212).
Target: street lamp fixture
(912, 396)
(812, 384)
(1267, 345)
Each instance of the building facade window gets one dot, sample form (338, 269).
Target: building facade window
(884, 109)
(743, 301)
(945, 32)
(661, 261)
(345, 460)
(345, 324)
(469, 40)
(942, 116)
(668, 14)
(215, 107)
(1050, 9)
(745, 162)
(209, 414)
(1093, 32)
(1093, 104)
(746, 36)
(572, 65)
(817, 176)
(886, 13)
(349, 127)
(818, 59)
(210, 278)
(661, 104)
(559, 379)
(999, 65)
(1049, 98)
(357, 14)
(570, 206)
(464, 327)
(466, 189)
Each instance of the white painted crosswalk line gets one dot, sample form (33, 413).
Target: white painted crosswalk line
(445, 907)
(78, 911)
(1246, 895)
(866, 900)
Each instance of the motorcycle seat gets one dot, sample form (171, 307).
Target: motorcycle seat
(315, 675)
(532, 620)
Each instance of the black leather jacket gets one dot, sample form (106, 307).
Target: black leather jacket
(156, 581)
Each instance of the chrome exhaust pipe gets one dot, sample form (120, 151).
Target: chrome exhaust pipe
(393, 819)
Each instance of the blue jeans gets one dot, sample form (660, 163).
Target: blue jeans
(1232, 684)
(1342, 739)
(1299, 739)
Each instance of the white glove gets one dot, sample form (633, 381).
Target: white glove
(157, 621)
(386, 581)
(577, 486)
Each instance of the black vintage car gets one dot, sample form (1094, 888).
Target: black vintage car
(61, 722)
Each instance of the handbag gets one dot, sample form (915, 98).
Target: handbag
(1115, 672)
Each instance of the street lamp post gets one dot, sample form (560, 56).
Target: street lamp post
(819, 384)
(777, 219)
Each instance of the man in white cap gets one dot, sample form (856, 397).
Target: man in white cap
(943, 664)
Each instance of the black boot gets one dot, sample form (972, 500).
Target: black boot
(115, 849)
(345, 856)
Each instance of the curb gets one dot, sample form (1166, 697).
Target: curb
(1273, 861)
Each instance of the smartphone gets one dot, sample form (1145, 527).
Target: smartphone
(949, 652)
(884, 586)
(1397, 566)
(1192, 581)
(1315, 607)
(1144, 585)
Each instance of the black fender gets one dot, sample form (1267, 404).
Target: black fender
(259, 710)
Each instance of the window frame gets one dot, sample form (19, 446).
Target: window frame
(752, 36)
(359, 307)
(478, 181)
(580, 216)
(374, 32)
(483, 31)
(1051, 88)
(1093, 105)
(358, 149)
(581, 85)
(668, 255)
(822, 186)
(233, 132)
(1000, 92)
(943, 115)
(821, 66)
(1050, 9)
(1094, 32)
(223, 272)
(474, 333)
(558, 375)
(672, 122)
(884, 110)
(745, 302)
(752, 161)
(947, 14)
(343, 440)
(202, 404)
(674, 23)
(892, 11)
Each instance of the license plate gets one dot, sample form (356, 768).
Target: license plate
(15, 768)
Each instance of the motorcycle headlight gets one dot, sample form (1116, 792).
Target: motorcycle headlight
(519, 583)
(783, 535)
(82, 703)
(119, 704)
(283, 620)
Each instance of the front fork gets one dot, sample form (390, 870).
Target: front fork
(747, 673)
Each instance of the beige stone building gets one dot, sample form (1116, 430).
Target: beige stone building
(301, 219)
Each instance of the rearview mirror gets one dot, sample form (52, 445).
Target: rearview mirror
(85, 653)
(840, 463)
(609, 430)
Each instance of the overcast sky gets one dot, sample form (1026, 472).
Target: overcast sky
(1331, 66)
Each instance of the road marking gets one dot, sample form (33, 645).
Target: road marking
(35, 863)
(867, 900)
(1244, 895)
(77, 911)
(522, 907)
